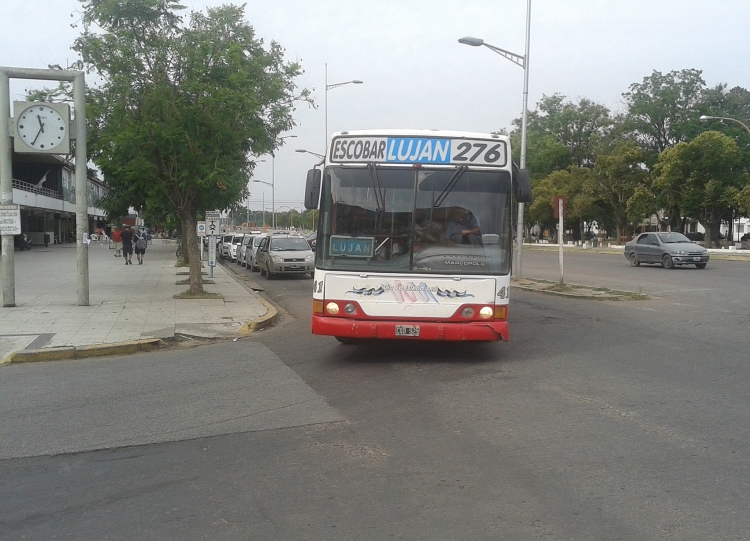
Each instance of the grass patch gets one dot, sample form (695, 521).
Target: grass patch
(560, 288)
(204, 295)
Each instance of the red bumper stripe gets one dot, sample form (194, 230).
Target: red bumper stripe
(352, 328)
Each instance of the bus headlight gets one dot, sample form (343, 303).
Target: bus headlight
(350, 309)
(332, 308)
(486, 312)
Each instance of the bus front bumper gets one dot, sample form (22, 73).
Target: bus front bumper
(483, 331)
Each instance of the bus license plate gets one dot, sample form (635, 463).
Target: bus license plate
(407, 330)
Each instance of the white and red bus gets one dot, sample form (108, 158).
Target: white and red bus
(414, 235)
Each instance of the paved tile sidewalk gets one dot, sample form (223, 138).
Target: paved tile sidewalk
(127, 302)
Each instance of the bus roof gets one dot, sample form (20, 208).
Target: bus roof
(434, 147)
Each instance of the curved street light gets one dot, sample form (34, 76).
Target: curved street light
(705, 118)
(303, 151)
(330, 87)
(522, 61)
(273, 181)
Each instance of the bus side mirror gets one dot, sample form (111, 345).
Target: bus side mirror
(522, 184)
(312, 189)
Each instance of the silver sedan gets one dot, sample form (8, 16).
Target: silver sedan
(667, 249)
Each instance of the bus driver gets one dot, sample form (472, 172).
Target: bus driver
(463, 228)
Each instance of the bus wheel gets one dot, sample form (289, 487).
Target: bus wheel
(348, 340)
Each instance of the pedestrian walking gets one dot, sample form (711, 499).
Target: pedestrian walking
(116, 237)
(140, 246)
(127, 245)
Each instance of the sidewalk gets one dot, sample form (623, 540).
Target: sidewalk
(131, 306)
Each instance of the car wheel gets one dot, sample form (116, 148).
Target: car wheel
(254, 268)
(634, 261)
(700, 265)
(667, 262)
(269, 274)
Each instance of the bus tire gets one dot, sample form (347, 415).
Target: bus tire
(347, 340)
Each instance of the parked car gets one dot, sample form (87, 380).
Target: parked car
(247, 240)
(312, 240)
(224, 248)
(252, 252)
(285, 254)
(667, 249)
(234, 247)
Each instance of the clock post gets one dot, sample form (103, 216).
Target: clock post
(46, 128)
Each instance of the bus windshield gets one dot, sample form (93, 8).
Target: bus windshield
(415, 220)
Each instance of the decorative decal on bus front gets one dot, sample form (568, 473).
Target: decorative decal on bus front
(410, 292)
(423, 150)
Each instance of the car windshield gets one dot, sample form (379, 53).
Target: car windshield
(257, 241)
(668, 238)
(289, 244)
(236, 240)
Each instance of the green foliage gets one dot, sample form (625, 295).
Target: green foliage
(556, 124)
(661, 111)
(704, 177)
(182, 107)
(622, 177)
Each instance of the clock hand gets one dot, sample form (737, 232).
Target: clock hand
(41, 125)
(37, 136)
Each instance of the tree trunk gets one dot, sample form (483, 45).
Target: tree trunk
(712, 234)
(191, 248)
(618, 232)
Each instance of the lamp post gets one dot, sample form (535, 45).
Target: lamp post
(329, 87)
(522, 61)
(264, 199)
(273, 182)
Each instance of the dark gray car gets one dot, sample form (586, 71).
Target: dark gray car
(666, 249)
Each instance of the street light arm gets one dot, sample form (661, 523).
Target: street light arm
(263, 182)
(336, 85)
(513, 57)
(705, 118)
(477, 42)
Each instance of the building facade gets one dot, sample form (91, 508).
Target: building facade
(44, 185)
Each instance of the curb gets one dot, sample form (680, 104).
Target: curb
(584, 294)
(82, 352)
(268, 320)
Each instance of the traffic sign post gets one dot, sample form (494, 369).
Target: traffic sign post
(200, 229)
(213, 219)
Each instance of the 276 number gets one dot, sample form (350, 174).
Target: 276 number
(491, 156)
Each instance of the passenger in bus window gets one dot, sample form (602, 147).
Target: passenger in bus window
(463, 228)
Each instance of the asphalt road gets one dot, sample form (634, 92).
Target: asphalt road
(599, 420)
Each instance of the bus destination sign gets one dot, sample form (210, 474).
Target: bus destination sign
(419, 150)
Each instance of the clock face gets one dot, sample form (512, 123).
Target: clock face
(41, 127)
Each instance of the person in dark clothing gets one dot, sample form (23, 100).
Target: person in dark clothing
(127, 245)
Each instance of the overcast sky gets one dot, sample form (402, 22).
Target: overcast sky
(417, 75)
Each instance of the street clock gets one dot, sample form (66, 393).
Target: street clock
(41, 127)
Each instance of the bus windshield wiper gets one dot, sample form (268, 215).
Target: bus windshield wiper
(454, 179)
(379, 203)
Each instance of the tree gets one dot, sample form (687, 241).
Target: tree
(620, 175)
(578, 185)
(661, 111)
(706, 177)
(181, 108)
(578, 127)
